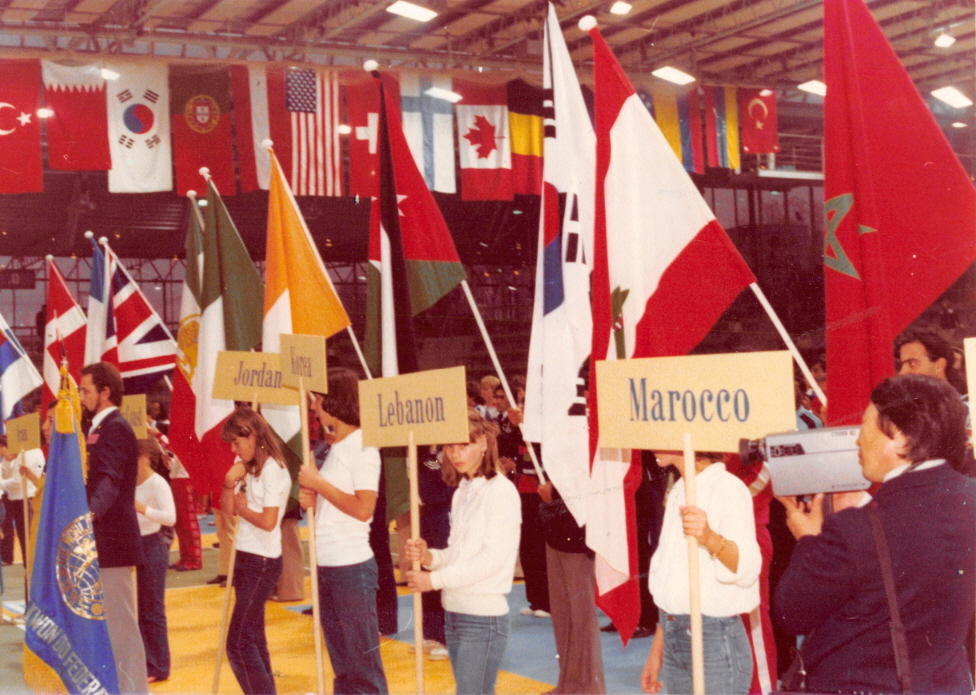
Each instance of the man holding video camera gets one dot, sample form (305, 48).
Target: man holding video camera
(913, 442)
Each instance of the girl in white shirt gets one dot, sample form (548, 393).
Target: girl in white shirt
(258, 565)
(729, 561)
(154, 509)
(474, 572)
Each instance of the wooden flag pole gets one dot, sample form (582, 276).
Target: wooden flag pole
(312, 549)
(418, 609)
(25, 502)
(694, 578)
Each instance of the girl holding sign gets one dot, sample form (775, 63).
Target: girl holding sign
(344, 494)
(730, 563)
(260, 504)
(475, 571)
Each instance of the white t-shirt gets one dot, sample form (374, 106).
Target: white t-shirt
(340, 539)
(10, 473)
(154, 492)
(270, 489)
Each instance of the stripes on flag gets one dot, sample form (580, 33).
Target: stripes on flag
(312, 105)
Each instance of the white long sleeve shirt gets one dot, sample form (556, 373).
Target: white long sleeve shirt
(475, 571)
(160, 507)
(728, 505)
(10, 473)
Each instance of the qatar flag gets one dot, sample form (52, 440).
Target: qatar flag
(77, 131)
(20, 128)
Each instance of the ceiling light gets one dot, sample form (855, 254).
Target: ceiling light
(411, 11)
(110, 74)
(44, 112)
(344, 129)
(953, 97)
(943, 40)
(673, 75)
(814, 87)
(960, 124)
(621, 7)
(766, 93)
(445, 94)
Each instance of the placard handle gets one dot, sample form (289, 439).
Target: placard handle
(694, 578)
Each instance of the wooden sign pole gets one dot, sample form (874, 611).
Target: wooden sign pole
(312, 550)
(694, 579)
(26, 548)
(418, 607)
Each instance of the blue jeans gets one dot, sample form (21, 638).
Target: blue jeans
(255, 578)
(347, 601)
(728, 657)
(151, 583)
(476, 644)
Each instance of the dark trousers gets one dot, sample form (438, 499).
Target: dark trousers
(13, 523)
(435, 527)
(532, 553)
(379, 542)
(255, 578)
(151, 584)
(574, 623)
(347, 599)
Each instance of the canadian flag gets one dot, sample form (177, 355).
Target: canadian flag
(484, 143)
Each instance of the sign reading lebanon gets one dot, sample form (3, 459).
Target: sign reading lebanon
(303, 359)
(650, 403)
(252, 376)
(432, 404)
(24, 433)
(134, 410)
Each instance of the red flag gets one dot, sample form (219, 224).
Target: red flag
(20, 128)
(64, 334)
(757, 116)
(900, 210)
(77, 132)
(362, 115)
(200, 108)
(483, 141)
(525, 114)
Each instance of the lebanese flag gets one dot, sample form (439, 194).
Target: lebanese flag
(655, 239)
(138, 129)
(900, 209)
(200, 113)
(64, 334)
(757, 118)
(484, 143)
(249, 87)
(20, 128)
(77, 132)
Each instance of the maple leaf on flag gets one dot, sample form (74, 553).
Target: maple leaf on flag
(482, 136)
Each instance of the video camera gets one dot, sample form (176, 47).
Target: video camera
(806, 462)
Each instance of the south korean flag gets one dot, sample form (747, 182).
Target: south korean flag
(138, 129)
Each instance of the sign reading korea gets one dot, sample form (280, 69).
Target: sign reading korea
(250, 376)
(432, 404)
(23, 434)
(650, 403)
(303, 357)
(134, 410)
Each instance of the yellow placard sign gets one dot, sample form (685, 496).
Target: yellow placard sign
(252, 376)
(432, 404)
(650, 403)
(134, 410)
(303, 359)
(24, 433)
(969, 346)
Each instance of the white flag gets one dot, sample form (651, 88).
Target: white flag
(428, 124)
(138, 129)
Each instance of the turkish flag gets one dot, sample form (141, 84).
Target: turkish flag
(20, 128)
(484, 141)
(757, 117)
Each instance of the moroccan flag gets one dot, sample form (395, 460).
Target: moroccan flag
(138, 129)
(757, 116)
(525, 114)
(77, 132)
(249, 86)
(653, 234)
(484, 144)
(200, 113)
(20, 128)
(428, 124)
(66, 636)
(722, 127)
(64, 334)
(900, 209)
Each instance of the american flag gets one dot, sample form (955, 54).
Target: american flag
(312, 102)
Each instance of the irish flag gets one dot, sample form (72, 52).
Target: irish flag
(664, 270)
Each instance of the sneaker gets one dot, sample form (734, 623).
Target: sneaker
(527, 611)
(219, 579)
(438, 653)
(429, 646)
(541, 613)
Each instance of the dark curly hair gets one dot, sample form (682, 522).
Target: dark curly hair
(342, 400)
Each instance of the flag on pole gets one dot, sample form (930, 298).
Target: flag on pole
(562, 325)
(100, 341)
(900, 210)
(64, 333)
(66, 645)
(18, 375)
(655, 240)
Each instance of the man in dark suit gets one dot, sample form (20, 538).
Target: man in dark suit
(113, 453)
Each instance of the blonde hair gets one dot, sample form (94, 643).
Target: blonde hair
(490, 380)
(490, 466)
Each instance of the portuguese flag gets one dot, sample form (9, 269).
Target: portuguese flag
(200, 113)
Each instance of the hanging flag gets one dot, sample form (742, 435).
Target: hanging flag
(757, 116)
(900, 209)
(303, 118)
(562, 325)
(77, 131)
(18, 375)
(64, 333)
(428, 124)
(525, 114)
(362, 94)
(722, 127)
(200, 109)
(100, 340)
(249, 86)
(66, 636)
(20, 128)
(653, 234)
(484, 145)
(138, 129)
(678, 116)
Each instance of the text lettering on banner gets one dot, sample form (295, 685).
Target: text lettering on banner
(251, 376)
(24, 433)
(303, 358)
